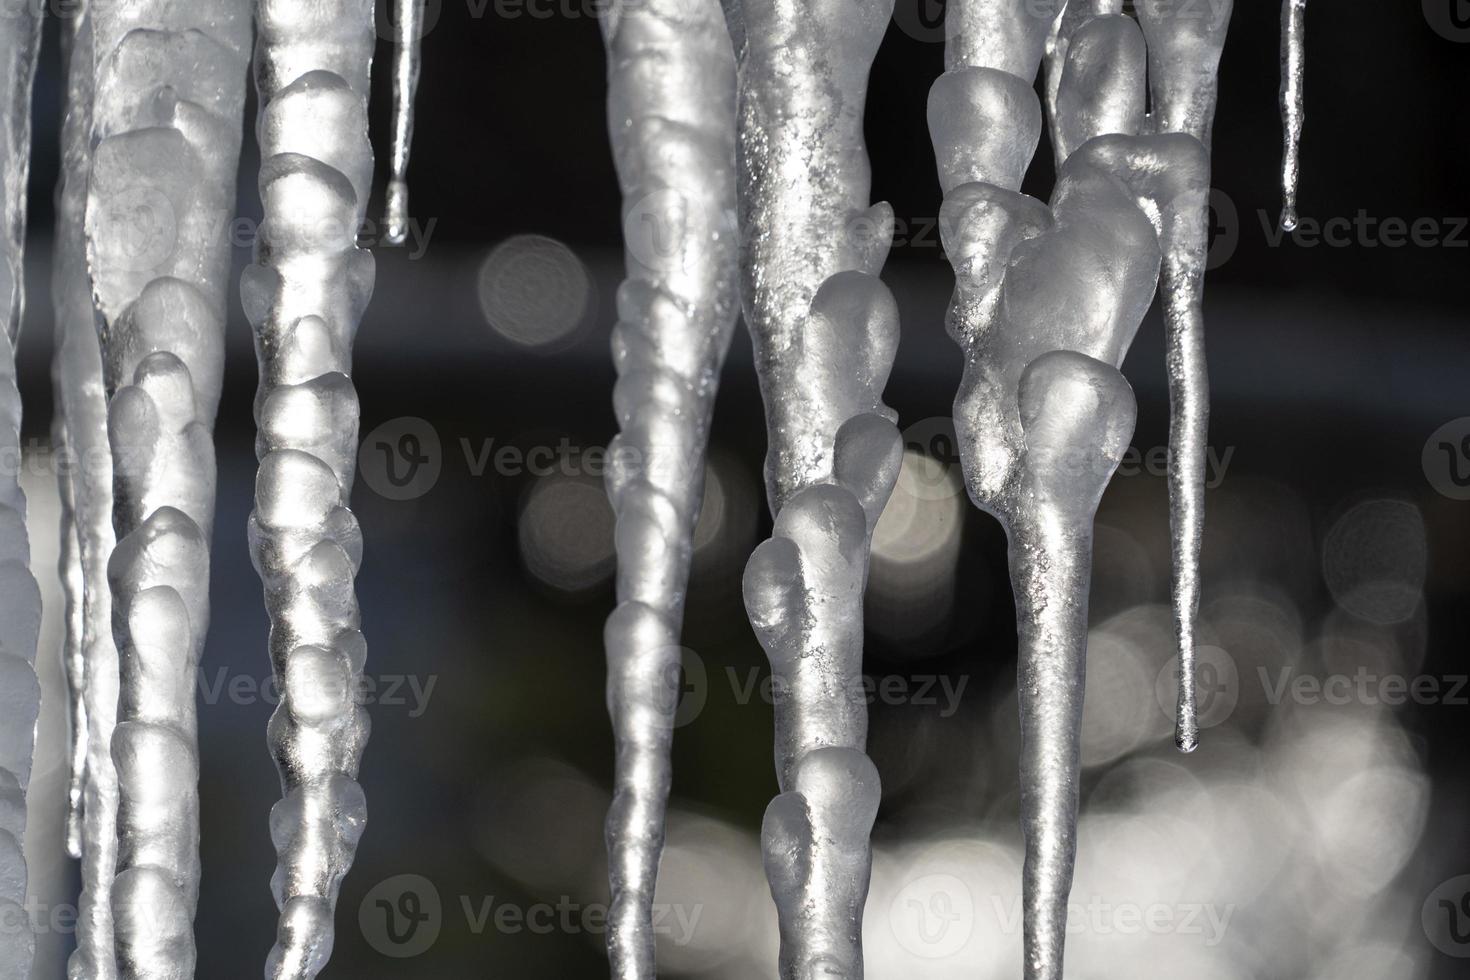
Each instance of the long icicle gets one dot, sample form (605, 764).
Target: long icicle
(73, 657)
(20, 598)
(1184, 50)
(1046, 303)
(408, 31)
(166, 127)
(1293, 110)
(305, 295)
(825, 331)
(19, 595)
(671, 117)
(77, 373)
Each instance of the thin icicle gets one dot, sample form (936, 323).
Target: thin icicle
(1293, 112)
(825, 330)
(671, 116)
(77, 373)
(304, 296)
(1184, 63)
(408, 30)
(20, 598)
(166, 127)
(1047, 300)
(73, 658)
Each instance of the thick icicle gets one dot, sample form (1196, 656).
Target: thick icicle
(671, 116)
(166, 126)
(408, 31)
(1184, 51)
(77, 373)
(825, 330)
(1293, 112)
(20, 598)
(304, 296)
(1047, 301)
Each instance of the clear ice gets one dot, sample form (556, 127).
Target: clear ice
(825, 330)
(169, 90)
(1047, 301)
(20, 598)
(304, 296)
(671, 118)
(87, 521)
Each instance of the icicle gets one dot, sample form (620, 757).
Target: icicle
(825, 331)
(20, 598)
(73, 659)
(1047, 301)
(671, 116)
(408, 27)
(1184, 60)
(304, 296)
(77, 373)
(166, 130)
(1293, 113)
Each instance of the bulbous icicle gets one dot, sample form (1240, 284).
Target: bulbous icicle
(671, 117)
(408, 33)
(1047, 301)
(20, 598)
(1293, 110)
(169, 96)
(825, 330)
(304, 296)
(82, 403)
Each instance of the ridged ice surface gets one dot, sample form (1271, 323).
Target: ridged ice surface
(825, 330)
(20, 598)
(304, 296)
(1047, 301)
(169, 87)
(1293, 112)
(408, 29)
(671, 117)
(87, 525)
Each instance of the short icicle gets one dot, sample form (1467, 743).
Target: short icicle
(408, 36)
(1293, 110)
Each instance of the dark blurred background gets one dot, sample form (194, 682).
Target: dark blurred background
(1313, 834)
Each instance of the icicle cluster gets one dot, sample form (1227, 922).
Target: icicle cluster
(20, 598)
(1293, 114)
(87, 499)
(825, 331)
(169, 89)
(408, 30)
(1047, 301)
(671, 116)
(304, 296)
